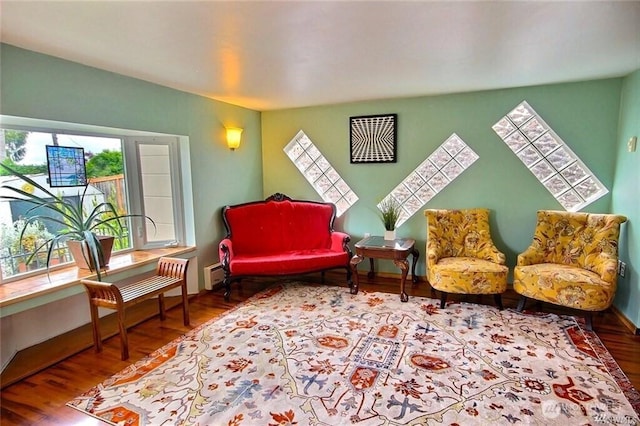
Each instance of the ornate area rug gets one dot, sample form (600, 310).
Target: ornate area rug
(300, 354)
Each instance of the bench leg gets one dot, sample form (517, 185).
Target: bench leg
(124, 341)
(95, 323)
(163, 315)
(185, 303)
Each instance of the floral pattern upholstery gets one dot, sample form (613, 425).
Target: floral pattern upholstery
(461, 256)
(572, 260)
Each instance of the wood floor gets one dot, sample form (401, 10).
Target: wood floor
(40, 398)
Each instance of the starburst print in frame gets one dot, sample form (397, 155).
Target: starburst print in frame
(373, 138)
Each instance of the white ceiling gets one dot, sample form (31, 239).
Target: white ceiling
(279, 54)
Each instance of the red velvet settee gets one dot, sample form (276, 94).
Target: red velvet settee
(281, 236)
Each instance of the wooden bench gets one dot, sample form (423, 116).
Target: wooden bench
(170, 273)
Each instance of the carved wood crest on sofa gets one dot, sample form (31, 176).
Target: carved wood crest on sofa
(281, 236)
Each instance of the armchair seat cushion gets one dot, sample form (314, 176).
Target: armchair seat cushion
(289, 262)
(469, 275)
(564, 285)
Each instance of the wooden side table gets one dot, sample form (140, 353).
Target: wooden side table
(378, 248)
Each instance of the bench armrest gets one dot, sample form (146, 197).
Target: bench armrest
(99, 290)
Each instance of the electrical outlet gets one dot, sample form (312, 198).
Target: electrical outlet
(622, 268)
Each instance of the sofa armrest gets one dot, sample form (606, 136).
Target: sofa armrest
(491, 253)
(605, 265)
(480, 245)
(225, 251)
(340, 242)
(531, 256)
(433, 255)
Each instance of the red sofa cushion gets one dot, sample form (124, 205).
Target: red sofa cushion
(290, 262)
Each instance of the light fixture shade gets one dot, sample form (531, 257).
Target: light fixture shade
(233, 137)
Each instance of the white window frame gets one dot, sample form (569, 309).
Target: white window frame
(136, 189)
(177, 164)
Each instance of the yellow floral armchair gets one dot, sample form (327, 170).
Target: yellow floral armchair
(461, 256)
(571, 262)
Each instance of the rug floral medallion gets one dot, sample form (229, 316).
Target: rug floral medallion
(300, 354)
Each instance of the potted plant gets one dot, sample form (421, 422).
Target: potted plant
(79, 223)
(389, 213)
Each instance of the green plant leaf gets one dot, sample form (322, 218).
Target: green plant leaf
(79, 225)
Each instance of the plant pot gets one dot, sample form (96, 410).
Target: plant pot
(389, 235)
(77, 248)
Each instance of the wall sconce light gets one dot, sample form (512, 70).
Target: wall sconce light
(233, 137)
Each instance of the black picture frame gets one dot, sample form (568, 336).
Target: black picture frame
(373, 138)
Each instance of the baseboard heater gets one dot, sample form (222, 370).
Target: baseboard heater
(213, 276)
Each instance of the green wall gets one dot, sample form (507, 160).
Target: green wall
(626, 198)
(588, 116)
(43, 87)
(585, 115)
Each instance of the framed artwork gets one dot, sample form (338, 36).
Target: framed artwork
(65, 165)
(373, 138)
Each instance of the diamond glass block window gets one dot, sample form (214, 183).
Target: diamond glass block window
(320, 174)
(446, 163)
(549, 158)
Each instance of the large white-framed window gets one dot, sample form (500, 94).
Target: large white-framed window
(150, 183)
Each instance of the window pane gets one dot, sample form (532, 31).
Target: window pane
(26, 152)
(445, 164)
(319, 173)
(155, 171)
(549, 158)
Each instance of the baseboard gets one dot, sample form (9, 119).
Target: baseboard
(35, 358)
(625, 321)
(8, 360)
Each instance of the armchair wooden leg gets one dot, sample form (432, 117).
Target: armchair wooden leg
(588, 321)
(433, 290)
(498, 299)
(443, 299)
(521, 303)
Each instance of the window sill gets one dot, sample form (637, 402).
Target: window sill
(66, 281)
